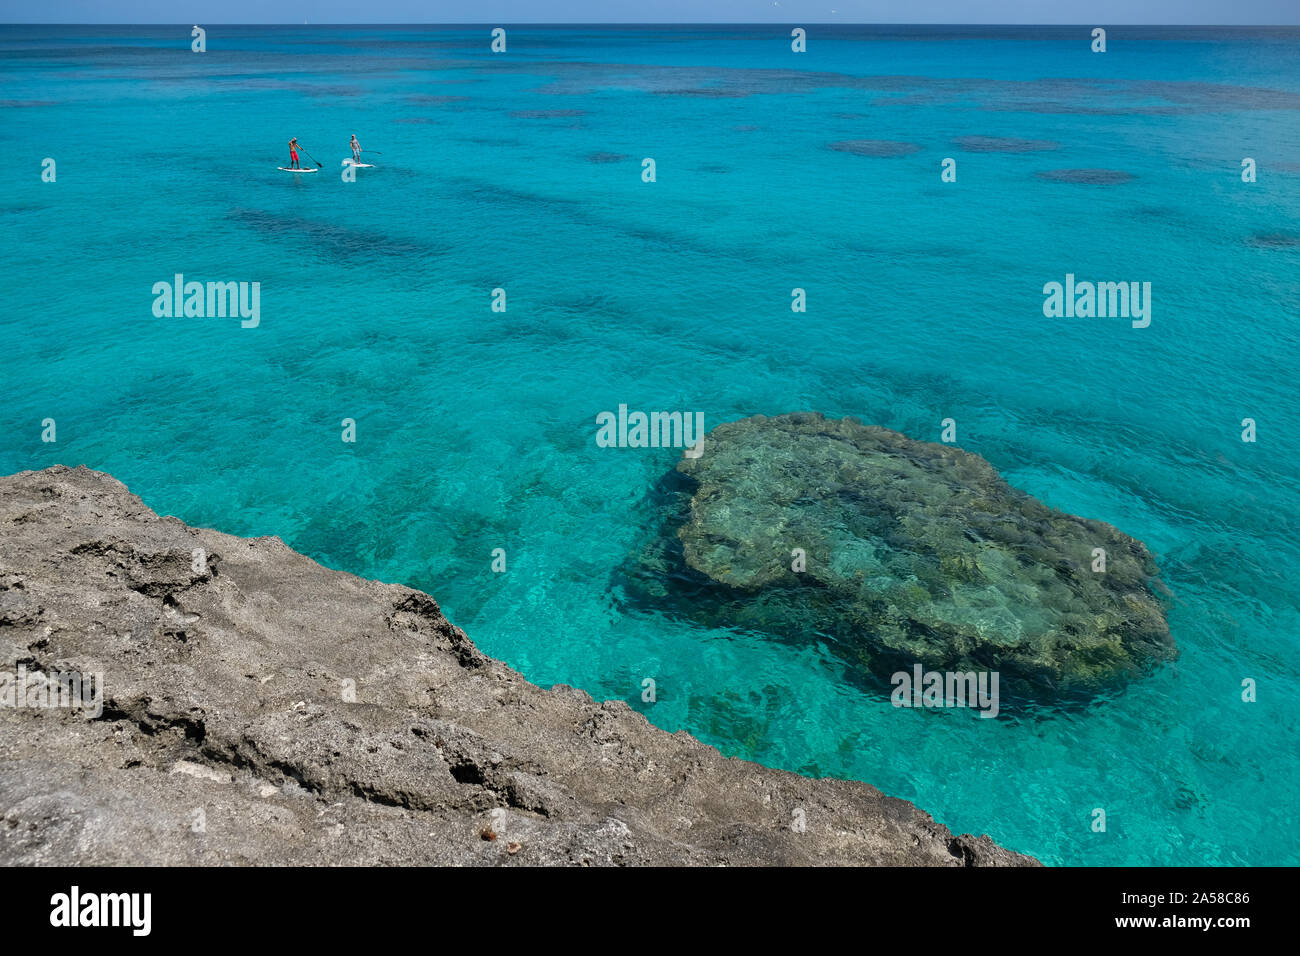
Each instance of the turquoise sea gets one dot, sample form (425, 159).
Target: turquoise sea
(476, 429)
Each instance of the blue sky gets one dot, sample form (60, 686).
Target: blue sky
(1099, 12)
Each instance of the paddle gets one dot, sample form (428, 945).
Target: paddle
(311, 157)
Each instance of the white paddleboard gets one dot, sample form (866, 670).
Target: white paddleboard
(348, 162)
(288, 170)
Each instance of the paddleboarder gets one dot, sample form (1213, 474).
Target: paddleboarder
(293, 153)
(356, 150)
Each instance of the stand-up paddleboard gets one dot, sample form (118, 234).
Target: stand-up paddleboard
(288, 169)
(355, 165)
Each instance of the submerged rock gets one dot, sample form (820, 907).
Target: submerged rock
(914, 553)
(1004, 144)
(875, 147)
(1087, 177)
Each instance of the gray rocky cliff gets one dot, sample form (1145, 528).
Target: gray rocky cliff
(259, 708)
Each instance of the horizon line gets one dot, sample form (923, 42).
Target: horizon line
(632, 23)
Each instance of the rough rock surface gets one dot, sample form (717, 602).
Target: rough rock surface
(916, 553)
(226, 738)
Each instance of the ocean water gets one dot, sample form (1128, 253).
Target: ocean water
(476, 429)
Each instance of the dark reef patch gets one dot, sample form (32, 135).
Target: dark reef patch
(492, 141)
(547, 114)
(1003, 144)
(333, 240)
(14, 209)
(1274, 240)
(1217, 96)
(875, 147)
(426, 98)
(1081, 109)
(916, 553)
(479, 191)
(706, 93)
(1088, 177)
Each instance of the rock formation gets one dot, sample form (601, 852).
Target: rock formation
(258, 708)
(914, 552)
